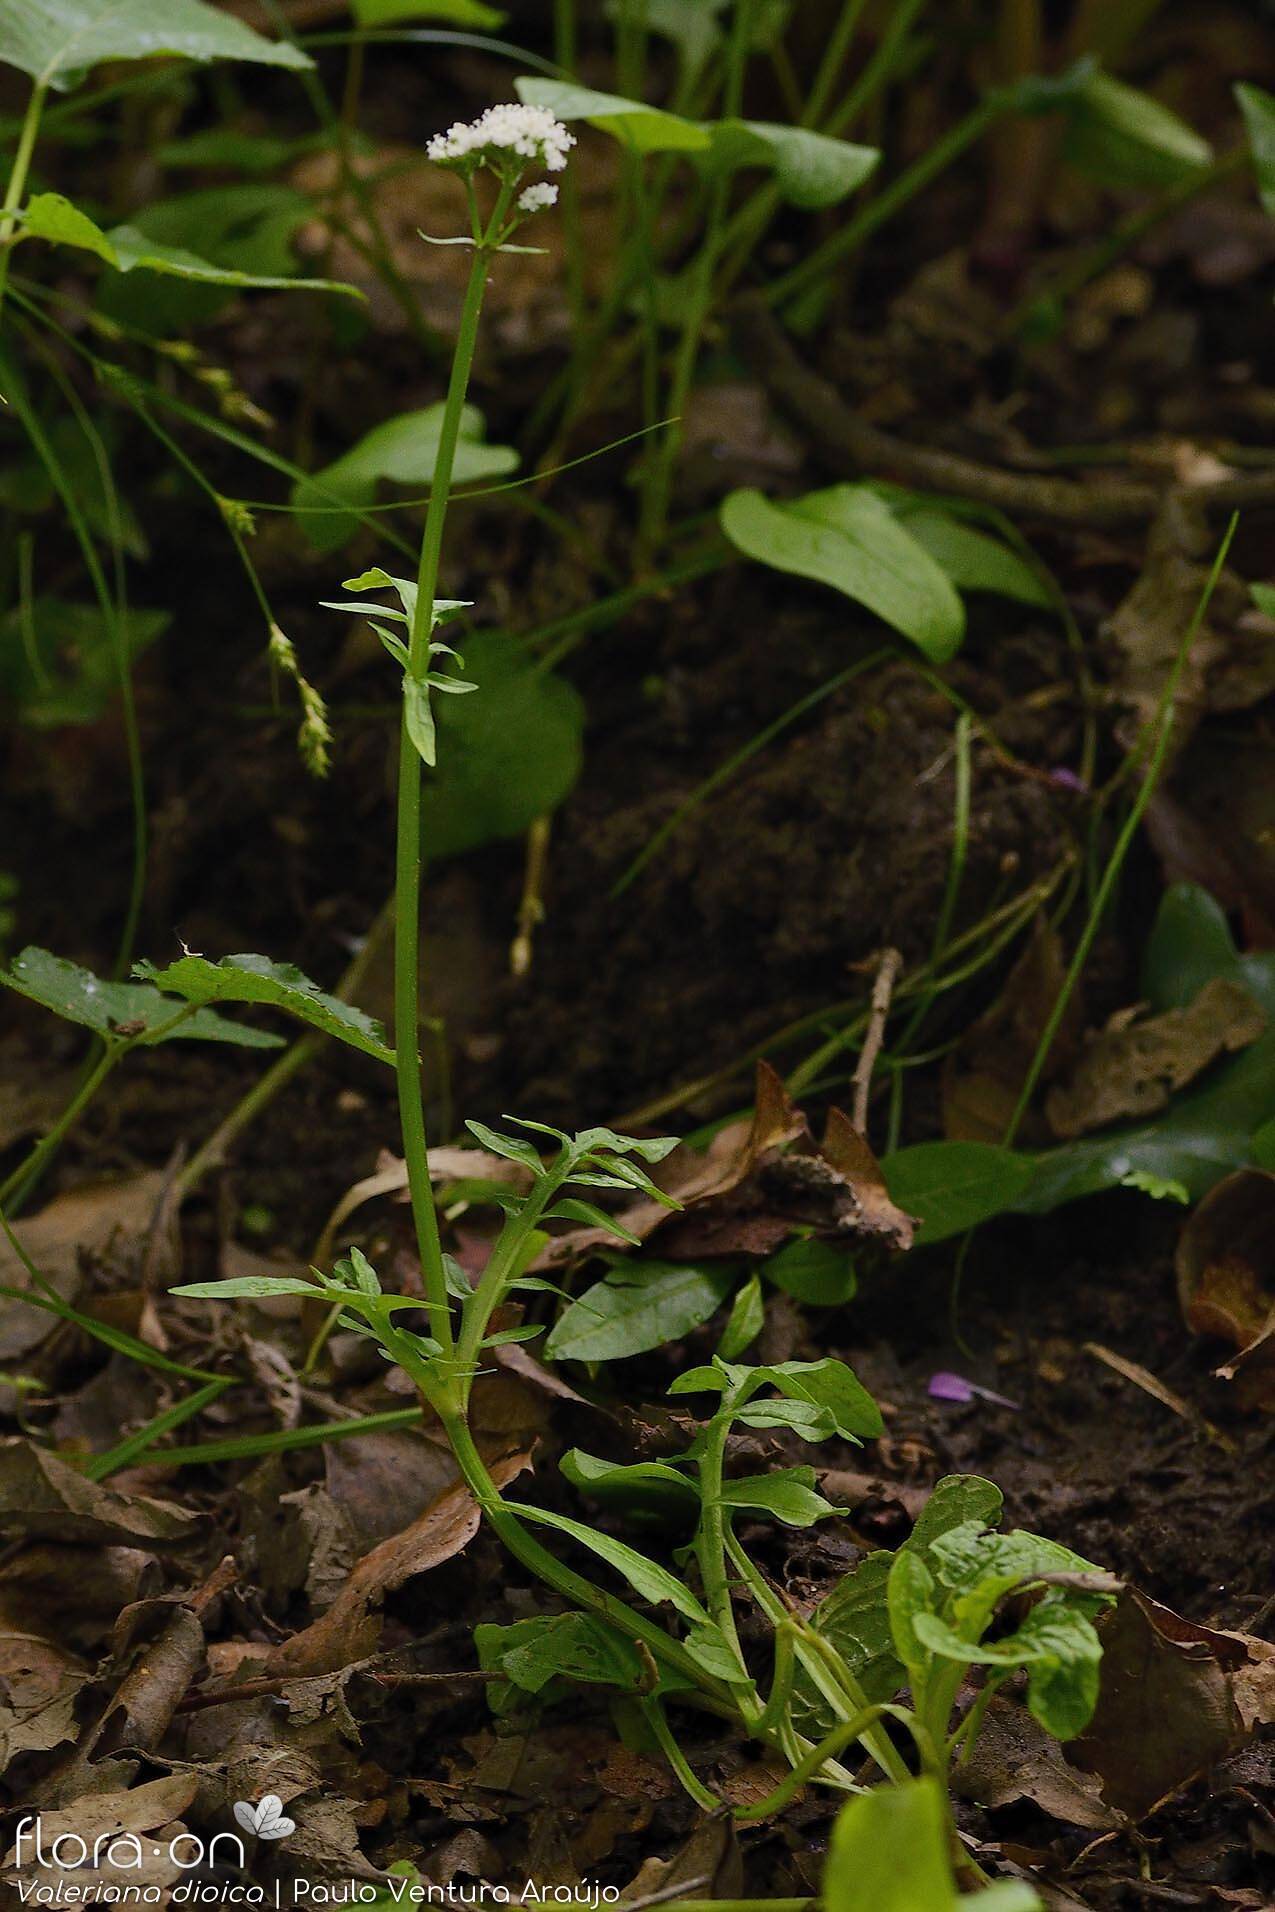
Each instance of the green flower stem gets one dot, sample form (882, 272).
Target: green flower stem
(18, 179)
(504, 1265)
(653, 1713)
(407, 868)
(658, 488)
(777, 1700)
(527, 1549)
(820, 1660)
(808, 1766)
(711, 1539)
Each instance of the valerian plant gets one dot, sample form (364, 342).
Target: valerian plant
(920, 1618)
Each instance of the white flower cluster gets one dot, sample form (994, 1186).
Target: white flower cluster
(537, 198)
(502, 133)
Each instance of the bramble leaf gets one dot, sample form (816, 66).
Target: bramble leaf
(255, 979)
(135, 1010)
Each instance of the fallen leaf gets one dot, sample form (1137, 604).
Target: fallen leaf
(72, 1595)
(45, 1499)
(152, 1809)
(758, 1180)
(1226, 1279)
(349, 1629)
(1169, 1705)
(69, 1230)
(1148, 627)
(40, 1683)
(1013, 1758)
(984, 1075)
(1134, 1065)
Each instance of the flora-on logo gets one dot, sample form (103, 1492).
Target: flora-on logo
(266, 1819)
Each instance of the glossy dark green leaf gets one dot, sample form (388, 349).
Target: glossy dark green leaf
(952, 1186)
(816, 1272)
(641, 1307)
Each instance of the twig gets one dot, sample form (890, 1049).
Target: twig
(849, 443)
(874, 1035)
(531, 909)
(272, 1687)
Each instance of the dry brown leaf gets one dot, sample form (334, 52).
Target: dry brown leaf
(1226, 1278)
(1013, 1758)
(40, 1683)
(390, 1178)
(1175, 1698)
(72, 1227)
(1148, 627)
(758, 1180)
(349, 1630)
(1131, 1068)
(45, 1499)
(984, 1075)
(153, 1809)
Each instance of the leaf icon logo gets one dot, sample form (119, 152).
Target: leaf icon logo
(267, 1819)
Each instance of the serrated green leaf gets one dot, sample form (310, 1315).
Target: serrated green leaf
(658, 1302)
(58, 41)
(847, 537)
(255, 979)
(108, 1007)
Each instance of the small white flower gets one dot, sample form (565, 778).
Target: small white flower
(537, 198)
(529, 133)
